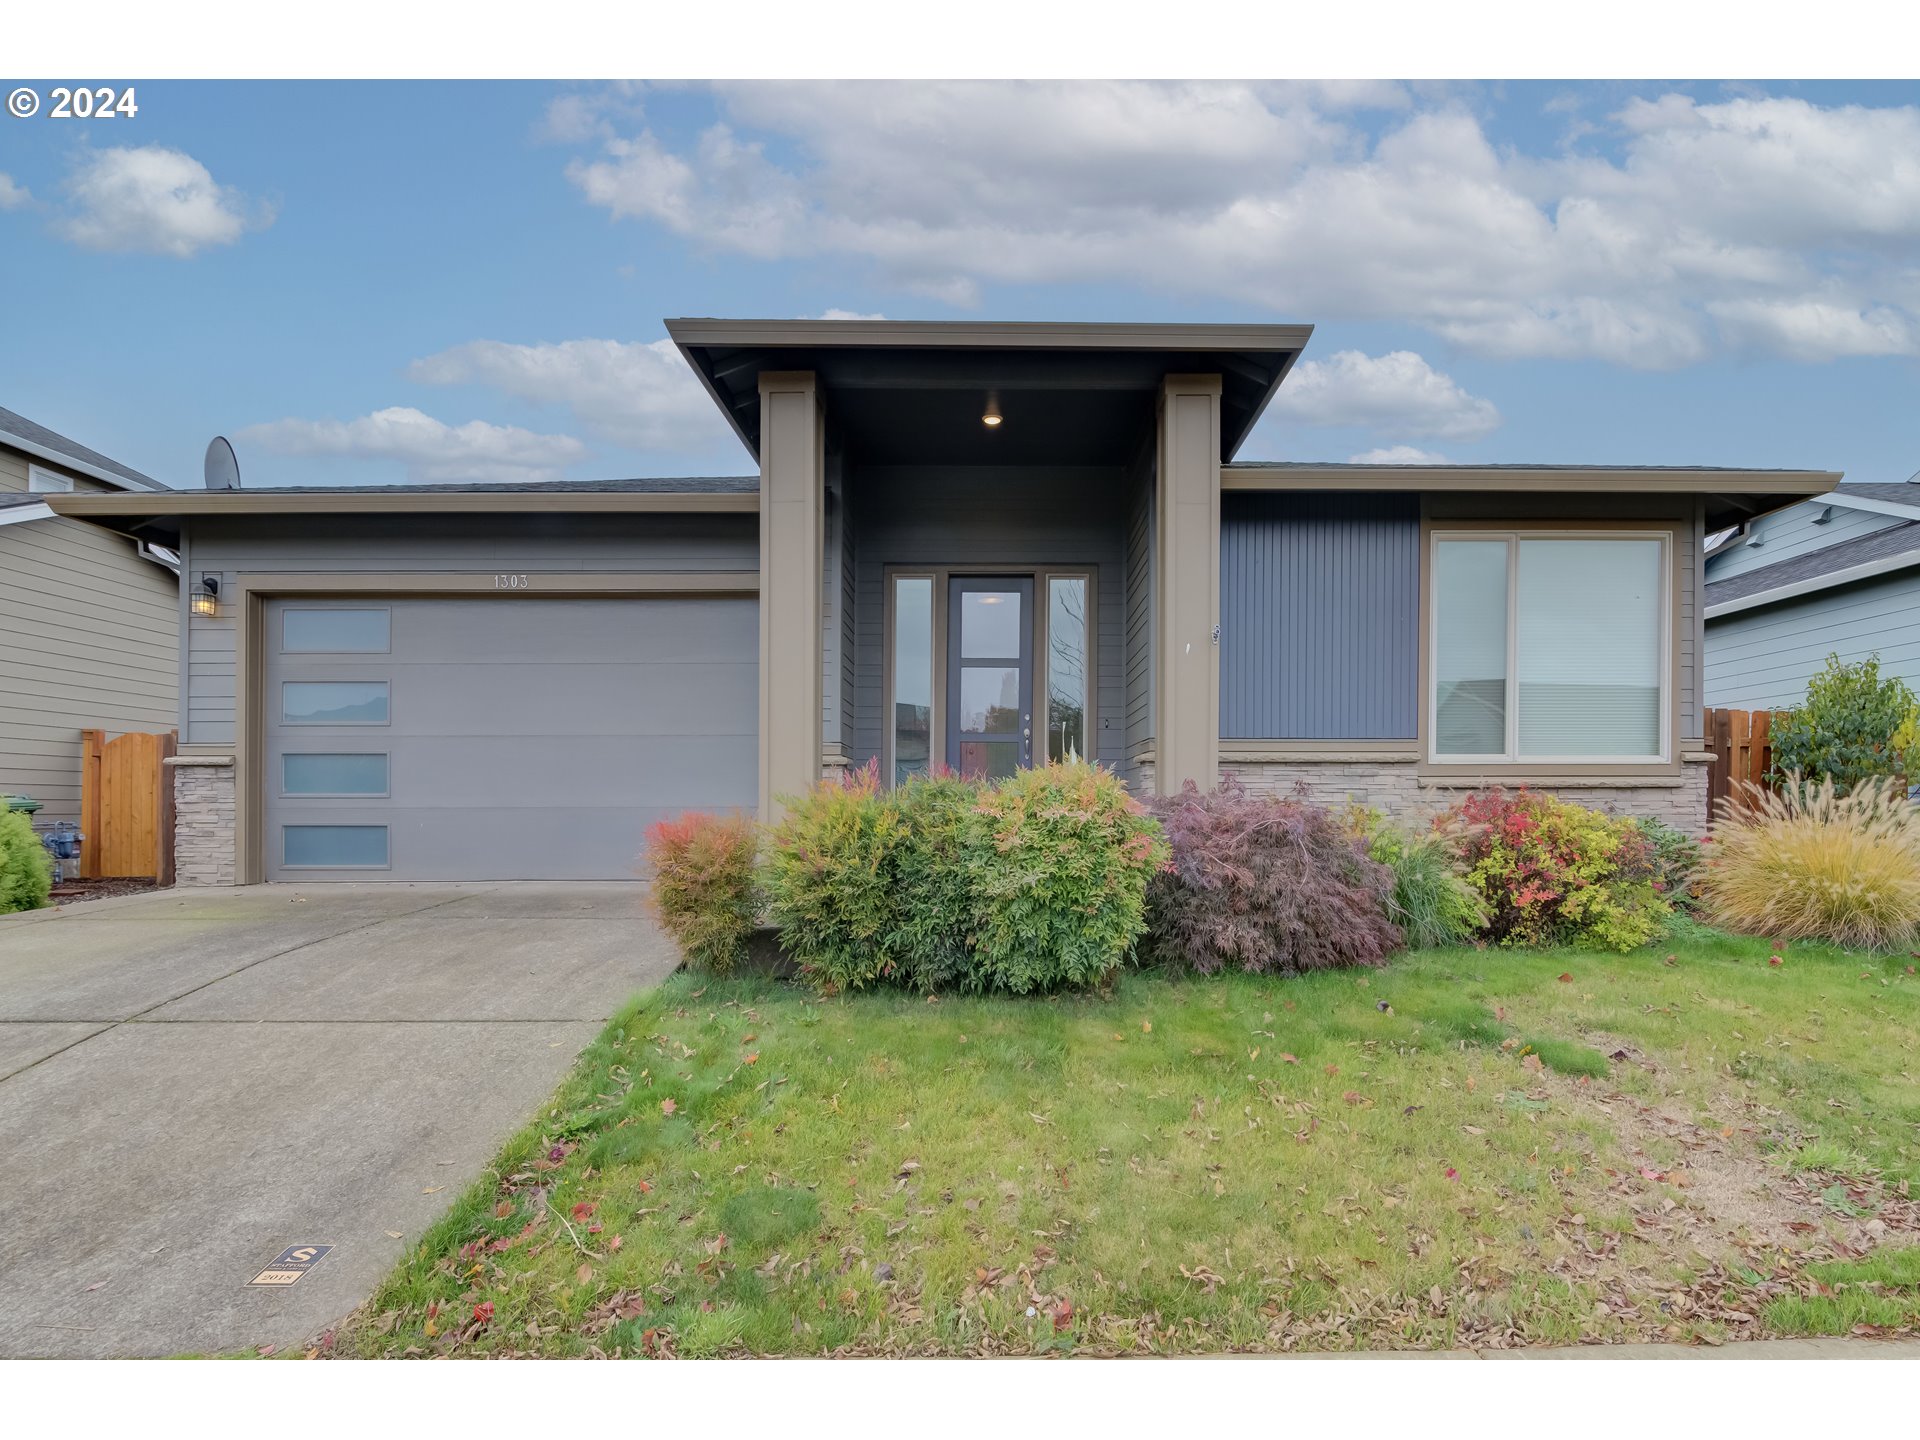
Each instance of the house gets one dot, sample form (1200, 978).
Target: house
(89, 620)
(1837, 574)
(973, 543)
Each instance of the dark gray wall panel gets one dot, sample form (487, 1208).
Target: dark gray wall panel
(991, 515)
(1319, 617)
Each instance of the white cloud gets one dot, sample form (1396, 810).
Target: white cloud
(1398, 392)
(1320, 203)
(12, 194)
(155, 200)
(432, 451)
(641, 394)
(838, 314)
(1397, 455)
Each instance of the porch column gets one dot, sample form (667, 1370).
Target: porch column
(792, 507)
(1187, 584)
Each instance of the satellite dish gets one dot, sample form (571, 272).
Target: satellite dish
(222, 468)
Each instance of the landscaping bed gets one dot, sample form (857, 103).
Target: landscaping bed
(1483, 1147)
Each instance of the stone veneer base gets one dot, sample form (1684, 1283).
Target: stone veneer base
(1400, 790)
(204, 849)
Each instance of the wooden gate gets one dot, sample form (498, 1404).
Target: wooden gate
(1741, 753)
(126, 806)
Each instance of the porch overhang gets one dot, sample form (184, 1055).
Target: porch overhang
(906, 391)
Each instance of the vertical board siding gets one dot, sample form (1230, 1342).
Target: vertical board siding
(1761, 659)
(455, 544)
(986, 516)
(1319, 617)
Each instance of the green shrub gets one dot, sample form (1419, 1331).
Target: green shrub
(933, 896)
(831, 880)
(1811, 863)
(1555, 873)
(703, 885)
(1845, 730)
(1675, 858)
(1264, 884)
(1431, 900)
(1057, 861)
(26, 874)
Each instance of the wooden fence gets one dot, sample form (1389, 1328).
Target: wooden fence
(1741, 752)
(126, 805)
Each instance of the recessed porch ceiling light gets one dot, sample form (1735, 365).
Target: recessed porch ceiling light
(992, 417)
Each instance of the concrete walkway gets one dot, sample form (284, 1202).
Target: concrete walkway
(193, 1081)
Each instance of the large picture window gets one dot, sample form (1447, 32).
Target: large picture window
(1550, 648)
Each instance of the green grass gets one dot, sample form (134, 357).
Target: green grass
(1409, 1157)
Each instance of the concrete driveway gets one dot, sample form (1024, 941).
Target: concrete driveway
(193, 1081)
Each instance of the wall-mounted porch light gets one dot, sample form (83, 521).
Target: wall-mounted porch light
(206, 600)
(992, 417)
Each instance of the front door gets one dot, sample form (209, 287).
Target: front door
(989, 675)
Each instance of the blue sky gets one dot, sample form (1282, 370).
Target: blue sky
(374, 282)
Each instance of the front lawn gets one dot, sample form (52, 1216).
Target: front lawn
(1469, 1147)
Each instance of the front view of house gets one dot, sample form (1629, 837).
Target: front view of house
(983, 545)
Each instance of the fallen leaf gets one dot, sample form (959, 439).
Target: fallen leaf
(1566, 978)
(1062, 1315)
(503, 1210)
(433, 1190)
(583, 1209)
(1333, 1069)
(584, 1273)
(1286, 1059)
(667, 1107)
(754, 1059)
(1473, 1129)
(1146, 1027)
(1531, 1062)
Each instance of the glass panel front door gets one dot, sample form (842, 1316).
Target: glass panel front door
(989, 675)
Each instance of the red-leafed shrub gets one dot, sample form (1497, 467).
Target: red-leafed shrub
(703, 885)
(1266, 885)
(1555, 873)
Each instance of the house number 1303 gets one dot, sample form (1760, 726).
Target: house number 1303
(510, 582)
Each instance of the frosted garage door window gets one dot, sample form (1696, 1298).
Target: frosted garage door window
(336, 632)
(335, 847)
(333, 774)
(334, 702)
(1588, 616)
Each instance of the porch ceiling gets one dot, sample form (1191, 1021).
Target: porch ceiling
(905, 391)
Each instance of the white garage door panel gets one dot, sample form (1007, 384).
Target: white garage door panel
(529, 739)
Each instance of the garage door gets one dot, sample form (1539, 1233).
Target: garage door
(509, 739)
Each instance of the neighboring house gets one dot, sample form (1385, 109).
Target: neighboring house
(970, 543)
(1836, 575)
(89, 621)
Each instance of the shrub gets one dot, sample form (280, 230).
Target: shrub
(1267, 885)
(831, 880)
(1675, 859)
(1057, 862)
(703, 885)
(933, 899)
(1430, 901)
(1811, 862)
(1846, 728)
(26, 874)
(1555, 873)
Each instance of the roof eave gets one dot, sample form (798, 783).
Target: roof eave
(13, 441)
(1813, 585)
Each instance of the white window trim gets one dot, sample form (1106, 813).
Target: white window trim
(1512, 758)
(42, 481)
